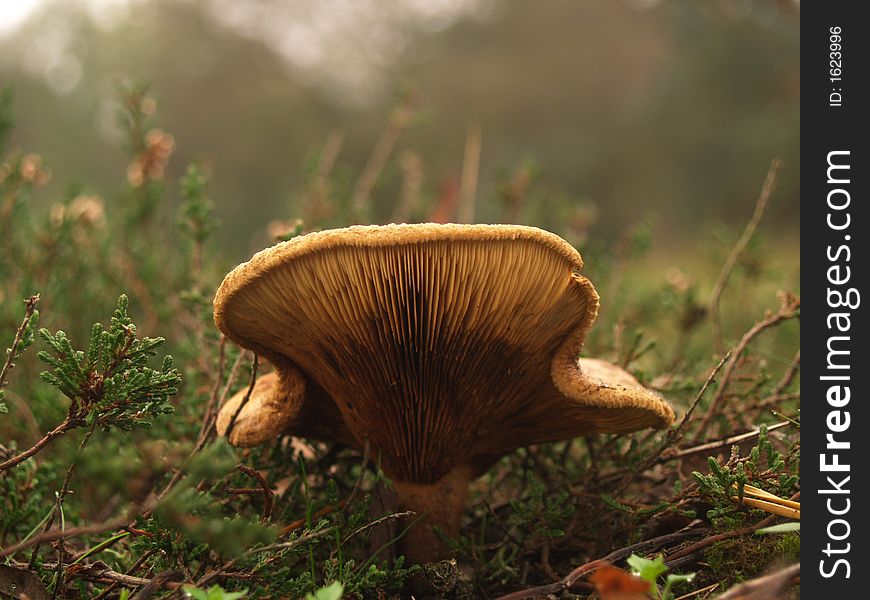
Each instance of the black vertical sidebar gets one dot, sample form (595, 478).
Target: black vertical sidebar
(835, 431)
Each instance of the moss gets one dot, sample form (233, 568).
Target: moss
(735, 560)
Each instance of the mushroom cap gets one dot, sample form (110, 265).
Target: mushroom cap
(440, 343)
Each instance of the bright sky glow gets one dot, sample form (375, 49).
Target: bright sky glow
(14, 12)
(347, 48)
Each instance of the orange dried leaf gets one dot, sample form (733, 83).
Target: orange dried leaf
(613, 583)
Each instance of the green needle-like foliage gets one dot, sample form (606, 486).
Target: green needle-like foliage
(111, 385)
(196, 213)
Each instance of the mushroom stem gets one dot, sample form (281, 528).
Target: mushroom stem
(440, 504)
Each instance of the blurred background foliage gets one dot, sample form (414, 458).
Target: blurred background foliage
(597, 113)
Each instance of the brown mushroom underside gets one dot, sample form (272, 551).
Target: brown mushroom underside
(441, 344)
(281, 405)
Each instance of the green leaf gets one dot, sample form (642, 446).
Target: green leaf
(646, 569)
(674, 578)
(781, 528)
(193, 592)
(331, 592)
(215, 592)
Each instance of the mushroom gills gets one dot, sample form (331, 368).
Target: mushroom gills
(443, 347)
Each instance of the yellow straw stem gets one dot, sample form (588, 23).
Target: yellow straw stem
(751, 490)
(771, 507)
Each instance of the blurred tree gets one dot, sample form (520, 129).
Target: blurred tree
(671, 108)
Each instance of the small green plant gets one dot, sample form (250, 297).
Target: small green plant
(215, 592)
(542, 511)
(333, 591)
(111, 384)
(650, 570)
(765, 466)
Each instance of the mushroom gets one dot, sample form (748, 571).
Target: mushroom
(444, 346)
(269, 412)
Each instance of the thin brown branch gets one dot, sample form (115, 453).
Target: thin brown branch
(545, 562)
(166, 579)
(399, 121)
(674, 435)
(29, 309)
(729, 441)
(697, 594)
(376, 522)
(58, 510)
(133, 568)
(291, 527)
(265, 490)
(470, 174)
(100, 572)
(315, 197)
(257, 491)
(772, 401)
(358, 483)
(212, 575)
(254, 364)
(709, 541)
(778, 394)
(231, 379)
(760, 205)
(202, 439)
(586, 569)
(68, 424)
(789, 309)
(497, 522)
(56, 534)
(210, 415)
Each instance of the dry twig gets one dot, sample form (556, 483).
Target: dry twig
(254, 364)
(789, 309)
(133, 568)
(723, 443)
(584, 570)
(29, 309)
(264, 489)
(205, 431)
(399, 121)
(766, 190)
(210, 413)
(470, 174)
(68, 424)
(56, 534)
(314, 198)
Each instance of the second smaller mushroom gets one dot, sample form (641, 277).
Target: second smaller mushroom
(273, 407)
